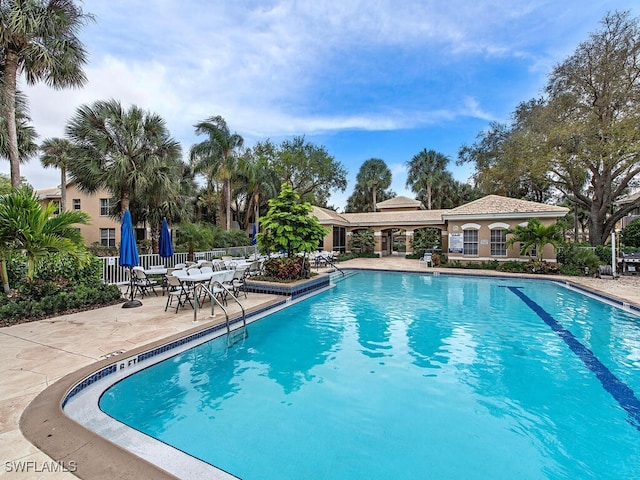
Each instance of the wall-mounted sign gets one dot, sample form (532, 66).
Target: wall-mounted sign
(456, 243)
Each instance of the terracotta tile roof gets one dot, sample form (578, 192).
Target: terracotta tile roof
(493, 205)
(399, 202)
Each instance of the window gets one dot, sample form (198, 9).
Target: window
(339, 239)
(108, 237)
(498, 240)
(532, 252)
(105, 206)
(76, 204)
(470, 246)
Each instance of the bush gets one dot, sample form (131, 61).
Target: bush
(363, 241)
(573, 259)
(513, 267)
(231, 238)
(630, 235)
(18, 309)
(348, 256)
(286, 268)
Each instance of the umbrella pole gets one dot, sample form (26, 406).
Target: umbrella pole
(131, 303)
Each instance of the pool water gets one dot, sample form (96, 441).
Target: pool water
(407, 376)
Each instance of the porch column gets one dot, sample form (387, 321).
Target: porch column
(347, 239)
(408, 237)
(377, 249)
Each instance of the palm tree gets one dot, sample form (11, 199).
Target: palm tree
(217, 155)
(121, 151)
(38, 39)
(58, 153)
(534, 235)
(425, 170)
(373, 175)
(260, 183)
(28, 227)
(25, 132)
(159, 200)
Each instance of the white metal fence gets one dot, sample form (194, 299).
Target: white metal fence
(112, 272)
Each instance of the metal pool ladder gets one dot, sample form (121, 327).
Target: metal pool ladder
(233, 336)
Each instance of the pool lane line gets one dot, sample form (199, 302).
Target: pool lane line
(620, 391)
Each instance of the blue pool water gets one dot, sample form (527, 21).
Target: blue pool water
(407, 376)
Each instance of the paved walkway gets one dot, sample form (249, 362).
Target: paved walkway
(37, 354)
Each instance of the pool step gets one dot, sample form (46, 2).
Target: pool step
(336, 276)
(236, 336)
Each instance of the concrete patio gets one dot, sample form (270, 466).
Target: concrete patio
(37, 354)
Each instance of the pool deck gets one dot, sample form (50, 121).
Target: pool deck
(36, 355)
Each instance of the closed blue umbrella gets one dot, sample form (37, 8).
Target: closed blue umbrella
(128, 254)
(254, 240)
(165, 249)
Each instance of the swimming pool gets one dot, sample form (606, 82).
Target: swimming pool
(401, 375)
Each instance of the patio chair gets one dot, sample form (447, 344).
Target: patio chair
(427, 259)
(175, 289)
(142, 283)
(238, 281)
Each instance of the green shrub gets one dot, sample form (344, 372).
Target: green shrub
(513, 266)
(363, 241)
(630, 235)
(13, 310)
(286, 268)
(352, 255)
(574, 259)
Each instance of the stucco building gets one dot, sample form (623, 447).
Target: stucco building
(472, 232)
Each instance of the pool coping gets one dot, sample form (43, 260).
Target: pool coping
(45, 424)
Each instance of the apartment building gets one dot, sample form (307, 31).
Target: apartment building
(103, 229)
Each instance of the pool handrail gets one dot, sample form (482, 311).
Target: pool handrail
(213, 298)
(329, 262)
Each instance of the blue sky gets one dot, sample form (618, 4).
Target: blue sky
(364, 79)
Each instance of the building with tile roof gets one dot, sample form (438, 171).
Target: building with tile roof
(475, 231)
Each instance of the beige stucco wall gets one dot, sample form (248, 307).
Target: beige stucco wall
(484, 239)
(90, 204)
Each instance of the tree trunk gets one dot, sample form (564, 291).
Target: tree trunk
(428, 196)
(228, 207)
(4, 276)
(63, 188)
(9, 98)
(374, 197)
(124, 203)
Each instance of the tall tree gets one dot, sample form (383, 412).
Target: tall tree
(309, 169)
(425, 170)
(257, 184)
(123, 151)
(583, 137)
(217, 156)
(375, 177)
(58, 153)
(39, 40)
(159, 200)
(505, 163)
(591, 120)
(288, 225)
(26, 134)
